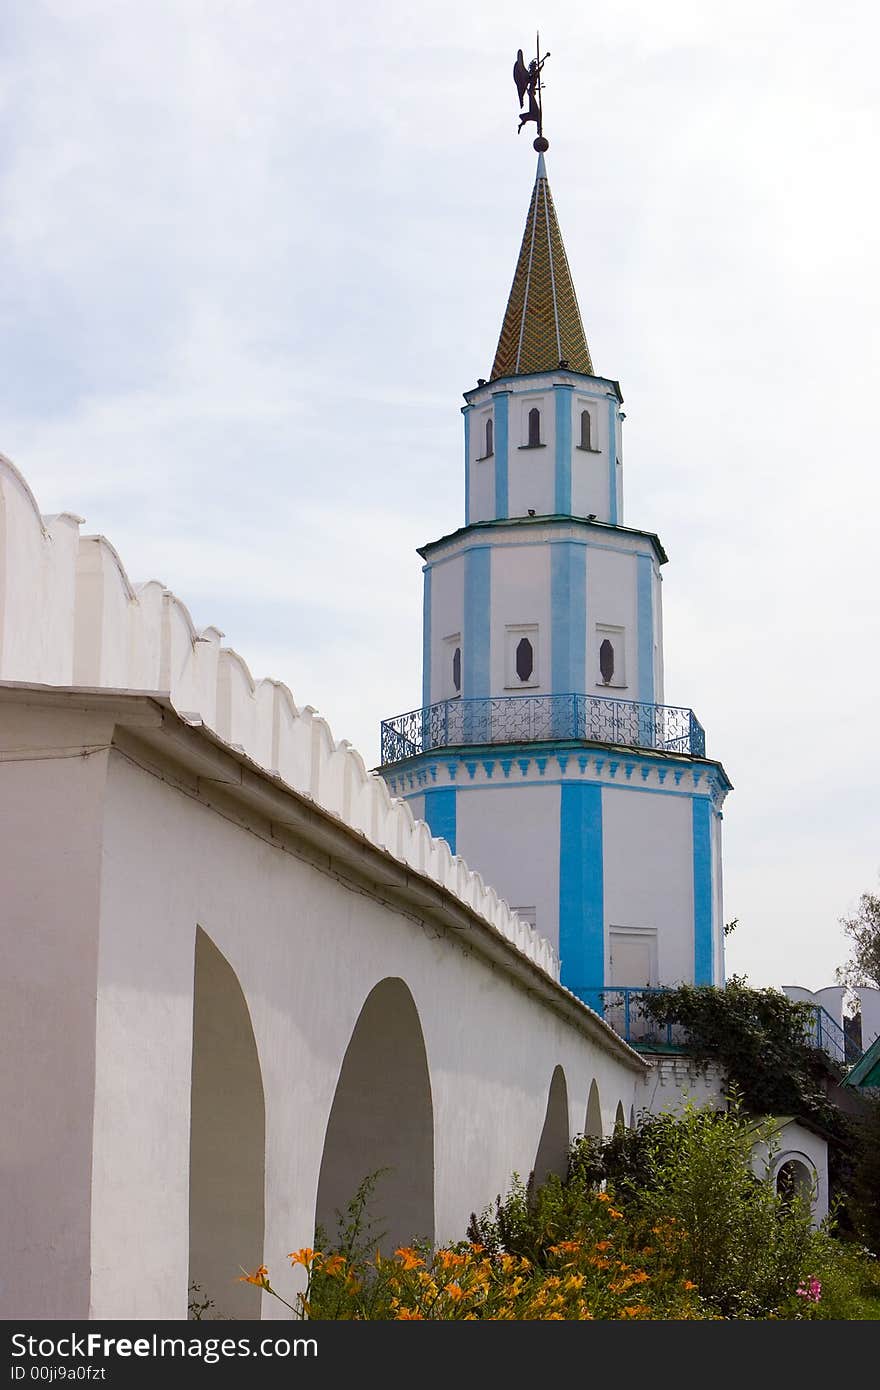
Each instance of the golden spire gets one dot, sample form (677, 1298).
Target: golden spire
(542, 324)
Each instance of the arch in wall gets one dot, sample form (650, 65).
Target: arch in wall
(632, 1117)
(795, 1178)
(593, 1121)
(382, 1117)
(227, 1153)
(619, 1117)
(552, 1155)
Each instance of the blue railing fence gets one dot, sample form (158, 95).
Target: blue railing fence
(542, 718)
(621, 1007)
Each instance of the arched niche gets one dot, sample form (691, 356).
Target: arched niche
(619, 1117)
(382, 1117)
(227, 1139)
(593, 1121)
(553, 1145)
(795, 1180)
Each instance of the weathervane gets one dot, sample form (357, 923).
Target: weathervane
(528, 85)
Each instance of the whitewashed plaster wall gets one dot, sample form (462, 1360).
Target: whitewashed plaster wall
(111, 859)
(653, 830)
(70, 615)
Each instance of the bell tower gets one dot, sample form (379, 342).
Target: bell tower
(543, 750)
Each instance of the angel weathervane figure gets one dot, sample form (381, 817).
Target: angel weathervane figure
(528, 84)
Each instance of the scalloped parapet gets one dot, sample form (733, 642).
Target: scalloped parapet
(70, 616)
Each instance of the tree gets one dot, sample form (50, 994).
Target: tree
(863, 930)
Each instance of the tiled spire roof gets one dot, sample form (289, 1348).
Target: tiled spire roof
(542, 324)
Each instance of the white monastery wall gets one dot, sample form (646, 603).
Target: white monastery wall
(111, 862)
(69, 614)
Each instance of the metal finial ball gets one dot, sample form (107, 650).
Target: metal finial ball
(541, 145)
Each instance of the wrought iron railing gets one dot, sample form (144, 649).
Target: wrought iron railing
(540, 719)
(826, 1033)
(622, 1009)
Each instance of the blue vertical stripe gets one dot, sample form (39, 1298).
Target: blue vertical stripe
(440, 813)
(563, 449)
(502, 438)
(568, 617)
(612, 461)
(477, 602)
(581, 891)
(702, 833)
(466, 412)
(645, 615)
(426, 639)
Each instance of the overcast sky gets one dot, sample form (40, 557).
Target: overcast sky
(253, 251)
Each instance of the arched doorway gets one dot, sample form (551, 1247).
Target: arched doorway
(593, 1122)
(552, 1155)
(382, 1118)
(227, 1139)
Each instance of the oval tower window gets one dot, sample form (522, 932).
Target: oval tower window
(525, 659)
(606, 661)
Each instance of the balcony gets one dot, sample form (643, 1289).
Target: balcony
(622, 1009)
(541, 719)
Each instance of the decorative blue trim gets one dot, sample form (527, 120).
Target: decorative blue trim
(612, 461)
(581, 888)
(563, 396)
(466, 412)
(514, 545)
(475, 638)
(568, 616)
(501, 441)
(440, 814)
(426, 638)
(702, 835)
(645, 605)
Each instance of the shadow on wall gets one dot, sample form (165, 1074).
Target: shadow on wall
(593, 1121)
(227, 1139)
(552, 1155)
(382, 1118)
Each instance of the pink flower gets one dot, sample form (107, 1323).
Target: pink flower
(812, 1291)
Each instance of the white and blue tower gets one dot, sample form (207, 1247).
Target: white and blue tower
(543, 750)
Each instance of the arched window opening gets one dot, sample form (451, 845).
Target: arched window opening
(586, 430)
(534, 427)
(525, 659)
(619, 1118)
(606, 661)
(490, 437)
(456, 670)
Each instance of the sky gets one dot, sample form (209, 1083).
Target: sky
(253, 252)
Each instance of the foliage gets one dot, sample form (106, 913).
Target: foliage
(864, 1204)
(199, 1304)
(863, 930)
(761, 1040)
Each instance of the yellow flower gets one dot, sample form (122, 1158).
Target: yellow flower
(333, 1265)
(603, 1244)
(635, 1310)
(304, 1257)
(602, 1197)
(689, 1285)
(260, 1277)
(409, 1315)
(408, 1257)
(615, 1215)
(455, 1292)
(448, 1259)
